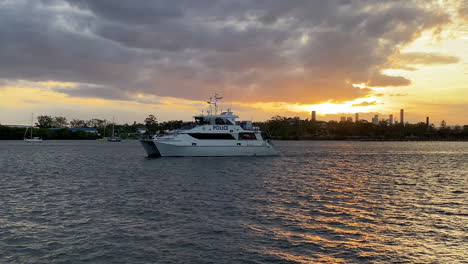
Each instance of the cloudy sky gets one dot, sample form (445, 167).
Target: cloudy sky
(99, 58)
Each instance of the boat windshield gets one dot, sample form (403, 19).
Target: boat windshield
(201, 121)
(219, 121)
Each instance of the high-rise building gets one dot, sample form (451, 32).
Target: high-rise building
(314, 116)
(356, 117)
(343, 118)
(349, 119)
(375, 120)
(402, 116)
(390, 119)
(427, 121)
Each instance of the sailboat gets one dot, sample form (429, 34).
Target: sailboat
(113, 138)
(31, 138)
(103, 135)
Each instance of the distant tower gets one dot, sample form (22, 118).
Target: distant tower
(402, 116)
(427, 121)
(375, 120)
(314, 116)
(356, 117)
(343, 118)
(390, 119)
(349, 119)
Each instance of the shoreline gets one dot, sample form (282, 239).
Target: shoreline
(289, 139)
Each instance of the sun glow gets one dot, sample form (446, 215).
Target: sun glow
(362, 105)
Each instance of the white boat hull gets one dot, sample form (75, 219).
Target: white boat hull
(157, 148)
(210, 136)
(32, 140)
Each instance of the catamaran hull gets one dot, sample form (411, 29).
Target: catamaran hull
(150, 148)
(155, 148)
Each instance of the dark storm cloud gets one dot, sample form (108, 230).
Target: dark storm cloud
(298, 51)
(92, 91)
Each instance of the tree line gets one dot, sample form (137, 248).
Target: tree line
(58, 127)
(278, 127)
(45, 121)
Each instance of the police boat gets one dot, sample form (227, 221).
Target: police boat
(211, 135)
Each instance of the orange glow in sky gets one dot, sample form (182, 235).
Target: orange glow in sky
(264, 67)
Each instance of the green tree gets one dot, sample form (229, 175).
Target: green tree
(77, 123)
(60, 122)
(151, 123)
(45, 121)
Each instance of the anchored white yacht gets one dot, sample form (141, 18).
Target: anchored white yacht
(211, 135)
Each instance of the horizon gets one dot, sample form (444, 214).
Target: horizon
(84, 59)
(368, 117)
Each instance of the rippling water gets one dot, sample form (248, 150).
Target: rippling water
(331, 202)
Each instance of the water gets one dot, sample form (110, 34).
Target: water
(331, 202)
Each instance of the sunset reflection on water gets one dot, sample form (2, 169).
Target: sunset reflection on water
(368, 204)
(319, 202)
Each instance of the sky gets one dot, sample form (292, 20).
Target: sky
(102, 58)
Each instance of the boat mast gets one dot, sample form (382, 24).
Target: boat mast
(216, 98)
(32, 121)
(25, 132)
(214, 101)
(210, 112)
(113, 123)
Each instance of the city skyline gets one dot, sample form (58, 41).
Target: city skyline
(376, 118)
(86, 60)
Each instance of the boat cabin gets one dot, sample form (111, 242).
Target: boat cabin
(225, 118)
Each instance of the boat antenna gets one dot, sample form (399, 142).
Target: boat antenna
(32, 123)
(230, 96)
(216, 98)
(210, 103)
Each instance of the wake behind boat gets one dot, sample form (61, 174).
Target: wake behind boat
(211, 135)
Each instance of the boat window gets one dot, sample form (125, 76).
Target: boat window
(211, 136)
(246, 125)
(247, 136)
(228, 122)
(201, 121)
(219, 121)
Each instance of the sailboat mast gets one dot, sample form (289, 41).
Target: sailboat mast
(113, 123)
(32, 121)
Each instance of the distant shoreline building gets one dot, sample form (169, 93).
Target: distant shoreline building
(375, 120)
(402, 116)
(390, 119)
(314, 116)
(356, 117)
